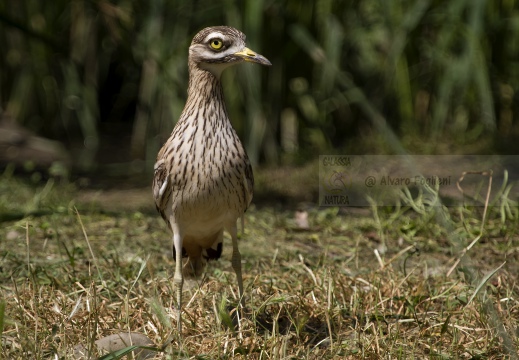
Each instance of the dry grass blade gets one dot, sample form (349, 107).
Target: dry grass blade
(488, 173)
(484, 281)
(399, 254)
(94, 258)
(487, 200)
(2, 323)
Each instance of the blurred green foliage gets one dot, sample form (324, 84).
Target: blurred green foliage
(109, 78)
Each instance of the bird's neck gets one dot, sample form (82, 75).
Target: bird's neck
(205, 101)
(204, 88)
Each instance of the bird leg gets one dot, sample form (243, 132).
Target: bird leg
(178, 278)
(236, 262)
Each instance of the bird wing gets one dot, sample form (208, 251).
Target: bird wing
(161, 187)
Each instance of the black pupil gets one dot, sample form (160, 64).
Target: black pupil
(216, 43)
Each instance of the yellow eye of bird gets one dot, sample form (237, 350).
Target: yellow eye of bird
(216, 44)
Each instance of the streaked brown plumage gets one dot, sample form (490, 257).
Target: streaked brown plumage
(203, 178)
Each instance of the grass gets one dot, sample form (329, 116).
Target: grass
(332, 291)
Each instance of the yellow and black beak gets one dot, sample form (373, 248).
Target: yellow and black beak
(250, 56)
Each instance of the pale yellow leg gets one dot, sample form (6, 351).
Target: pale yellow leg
(236, 262)
(178, 278)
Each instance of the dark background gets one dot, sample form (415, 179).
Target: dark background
(106, 80)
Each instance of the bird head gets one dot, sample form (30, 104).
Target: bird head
(216, 48)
